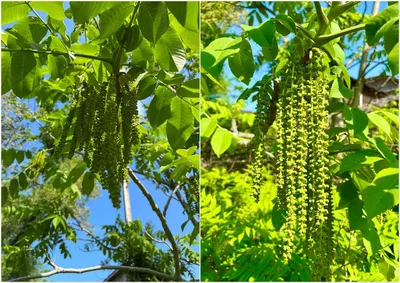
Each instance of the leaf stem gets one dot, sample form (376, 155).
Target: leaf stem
(52, 52)
(323, 39)
(322, 19)
(45, 24)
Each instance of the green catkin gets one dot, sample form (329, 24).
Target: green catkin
(304, 192)
(260, 120)
(65, 130)
(77, 139)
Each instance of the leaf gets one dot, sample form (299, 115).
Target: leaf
(371, 239)
(270, 53)
(76, 173)
(20, 156)
(5, 72)
(24, 74)
(358, 160)
(82, 11)
(7, 156)
(346, 76)
(208, 126)
(4, 195)
(159, 108)
(380, 122)
(180, 124)
(218, 50)
(153, 20)
(195, 233)
(386, 152)
(378, 21)
(190, 38)
(143, 53)
(146, 87)
(393, 60)
(28, 32)
(112, 19)
(189, 89)
(133, 38)
(221, 141)
(242, 63)
(186, 12)
(12, 11)
(263, 35)
(88, 184)
(286, 24)
(53, 9)
(360, 120)
(357, 218)
(169, 52)
(14, 189)
(22, 180)
(348, 191)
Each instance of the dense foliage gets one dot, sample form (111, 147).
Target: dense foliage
(324, 171)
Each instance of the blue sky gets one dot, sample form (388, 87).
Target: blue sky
(103, 213)
(250, 106)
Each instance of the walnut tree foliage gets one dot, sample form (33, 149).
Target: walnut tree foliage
(305, 189)
(120, 89)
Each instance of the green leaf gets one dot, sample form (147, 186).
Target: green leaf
(360, 120)
(186, 12)
(190, 38)
(186, 152)
(143, 53)
(357, 218)
(5, 72)
(270, 53)
(20, 156)
(386, 152)
(208, 126)
(346, 76)
(88, 184)
(24, 74)
(7, 156)
(76, 172)
(82, 11)
(12, 11)
(4, 195)
(378, 21)
(14, 189)
(169, 52)
(263, 35)
(153, 20)
(180, 124)
(348, 191)
(380, 122)
(221, 141)
(92, 32)
(29, 32)
(358, 160)
(53, 9)
(189, 89)
(286, 24)
(112, 19)
(159, 108)
(371, 239)
(133, 38)
(195, 231)
(146, 87)
(393, 60)
(218, 50)
(242, 63)
(23, 181)
(57, 64)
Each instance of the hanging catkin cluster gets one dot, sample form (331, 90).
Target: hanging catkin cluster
(104, 125)
(260, 120)
(304, 191)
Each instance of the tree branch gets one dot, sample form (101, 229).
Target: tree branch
(163, 221)
(322, 19)
(158, 240)
(60, 270)
(52, 52)
(185, 207)
(323, 39)
(169, 200)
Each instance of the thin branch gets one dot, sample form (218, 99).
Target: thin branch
(60, 270)
(158, 240)
(163, 221)
(186, 208)
(46, 25)
(169, 200)
(53, 52)
(323, 39)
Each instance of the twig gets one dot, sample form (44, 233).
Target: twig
(53, 52)
(169, 200)
(186, 208)
(158, 240)
(163, 221)
(60, 270)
